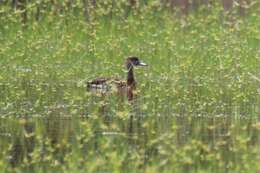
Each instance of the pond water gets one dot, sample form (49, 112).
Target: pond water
(219, 142)
(65, 130)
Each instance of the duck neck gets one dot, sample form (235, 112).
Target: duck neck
(130, 76)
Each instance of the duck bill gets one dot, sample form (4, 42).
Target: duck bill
(142, 64)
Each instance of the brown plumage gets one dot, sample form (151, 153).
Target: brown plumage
(128, 86)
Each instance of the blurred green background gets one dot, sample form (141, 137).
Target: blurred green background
(197, 105)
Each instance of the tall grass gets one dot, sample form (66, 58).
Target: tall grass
(198, 101)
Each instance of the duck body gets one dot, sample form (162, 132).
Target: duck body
(103, 84)
(123, 87)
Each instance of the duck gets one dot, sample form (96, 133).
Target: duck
(124, 87)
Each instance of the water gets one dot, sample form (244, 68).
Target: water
(64, 129)
(21, 139)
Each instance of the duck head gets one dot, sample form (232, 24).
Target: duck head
(134, 61)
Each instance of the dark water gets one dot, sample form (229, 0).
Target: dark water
(22, 138)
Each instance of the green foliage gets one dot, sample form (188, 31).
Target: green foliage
(198, 101)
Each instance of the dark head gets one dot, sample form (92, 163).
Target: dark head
(134, 61)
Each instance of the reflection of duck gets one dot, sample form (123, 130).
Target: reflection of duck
(128, 86)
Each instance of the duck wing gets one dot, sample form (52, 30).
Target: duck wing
(99, 81)
(105, 83)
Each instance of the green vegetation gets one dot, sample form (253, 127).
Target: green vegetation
(198, 101)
